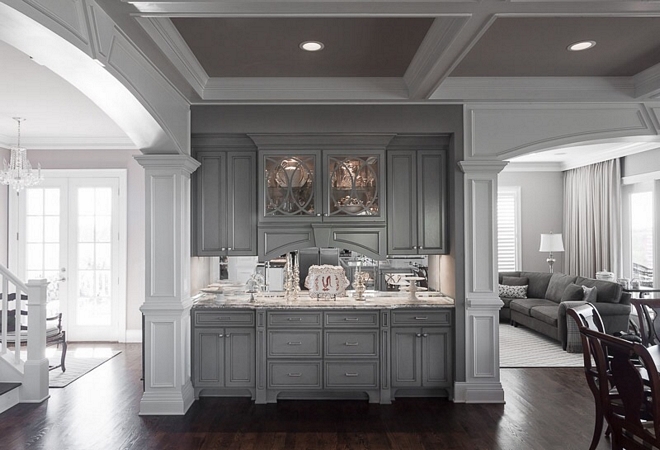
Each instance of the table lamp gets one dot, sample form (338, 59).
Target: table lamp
(551, 243)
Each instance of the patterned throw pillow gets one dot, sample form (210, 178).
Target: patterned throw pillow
(513, 291)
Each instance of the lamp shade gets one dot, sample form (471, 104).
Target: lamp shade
(551, 243)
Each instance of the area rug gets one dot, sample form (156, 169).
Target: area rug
(77, 364)
(522, 347)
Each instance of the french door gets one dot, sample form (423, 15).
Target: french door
(70, 229)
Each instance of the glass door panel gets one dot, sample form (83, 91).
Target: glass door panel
(290, 185)
(354, 186)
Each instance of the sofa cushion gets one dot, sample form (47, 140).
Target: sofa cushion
(513, 291)
(590, 294)
(557, 286)
(608, 291)
(547, 314)
(538, 283)
(573, 292)
(515, 281)
(507, 274)
(525, 305)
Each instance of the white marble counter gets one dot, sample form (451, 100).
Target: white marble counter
(272, 300)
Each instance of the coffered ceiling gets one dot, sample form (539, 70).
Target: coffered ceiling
(375, 51)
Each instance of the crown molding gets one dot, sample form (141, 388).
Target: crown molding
(647, 83)
(70, 143)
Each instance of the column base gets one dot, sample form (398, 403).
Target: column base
(167, 403)
(478, 393)
(35, 381)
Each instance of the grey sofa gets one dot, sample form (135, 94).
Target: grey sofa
(544, 311)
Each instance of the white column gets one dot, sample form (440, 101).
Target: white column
(482, 302)
(35, 369)
(166, 309)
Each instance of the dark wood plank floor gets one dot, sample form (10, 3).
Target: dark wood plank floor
(546, 409)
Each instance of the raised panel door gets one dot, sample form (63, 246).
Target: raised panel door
(436, 360)
(240, 357)
(431, 202)
(209, 357)
(402, 202)
(210, 204)
(242, 203)
(406, 357)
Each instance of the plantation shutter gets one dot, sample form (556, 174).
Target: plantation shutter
(508, 229)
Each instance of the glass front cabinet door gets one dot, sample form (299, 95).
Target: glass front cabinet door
(323, 185)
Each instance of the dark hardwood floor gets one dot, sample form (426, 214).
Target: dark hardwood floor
(545, 409)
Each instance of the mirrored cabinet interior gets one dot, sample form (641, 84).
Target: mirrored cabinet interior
(290, 185)
(354, 183)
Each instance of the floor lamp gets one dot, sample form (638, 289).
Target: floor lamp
(551, 243)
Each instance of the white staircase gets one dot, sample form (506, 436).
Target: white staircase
(22, 380)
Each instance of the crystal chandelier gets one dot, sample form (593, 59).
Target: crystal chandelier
(18, 173)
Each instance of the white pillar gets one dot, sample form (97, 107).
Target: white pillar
(35, 369)
(166, 309)
(482, 302)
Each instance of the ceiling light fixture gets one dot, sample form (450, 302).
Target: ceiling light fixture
(582, 45)
(312, 46)
(18, 173)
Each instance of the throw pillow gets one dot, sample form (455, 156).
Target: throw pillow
(515, 281)
(572, 292)
(590, 294)
(513, 291)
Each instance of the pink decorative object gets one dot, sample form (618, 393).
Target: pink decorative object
(326, 281)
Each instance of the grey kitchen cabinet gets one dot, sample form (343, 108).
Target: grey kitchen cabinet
(225, 203)
(417, 202)
(421, 349)
(223, 352)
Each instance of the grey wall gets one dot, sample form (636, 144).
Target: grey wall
(641, 163)
(114, 159)
(542, 197)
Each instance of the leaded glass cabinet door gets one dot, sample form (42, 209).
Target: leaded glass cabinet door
(354, 185)
(290, 186)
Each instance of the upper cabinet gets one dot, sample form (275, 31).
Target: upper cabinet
(329, 178)
(224, 198)
(417, 195)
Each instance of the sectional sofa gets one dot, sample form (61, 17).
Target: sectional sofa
(548, 296)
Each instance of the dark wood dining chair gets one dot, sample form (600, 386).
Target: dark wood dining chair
(587, 316)
(648, 314)
(55, 335)
(630, 368)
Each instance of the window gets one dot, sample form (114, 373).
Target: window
(641, 236)
(508, 228)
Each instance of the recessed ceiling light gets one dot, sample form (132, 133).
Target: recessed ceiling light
(582, 45)
(312, 46)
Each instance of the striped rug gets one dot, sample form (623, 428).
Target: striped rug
(522, 347)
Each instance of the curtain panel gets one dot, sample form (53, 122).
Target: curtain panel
(592, 219)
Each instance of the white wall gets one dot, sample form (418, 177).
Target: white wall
(114, 159)
(542, 197)
(641, 163)
(4, 252)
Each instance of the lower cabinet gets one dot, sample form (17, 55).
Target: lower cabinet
(223, 360)
(319, 354)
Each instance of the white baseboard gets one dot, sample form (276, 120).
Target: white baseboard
(478, 393)
(133, 336)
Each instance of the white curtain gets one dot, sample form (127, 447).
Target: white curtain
(592, 219)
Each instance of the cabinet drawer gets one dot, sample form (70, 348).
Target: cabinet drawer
(421, 317)
(351, 374)
(302, 343)
(215, 318)
(294, 319)
(352, 319)
(289, 374)
(351, 343)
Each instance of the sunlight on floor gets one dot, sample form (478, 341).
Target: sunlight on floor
(83, 352)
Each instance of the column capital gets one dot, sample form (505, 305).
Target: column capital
(488, 166)
(183, 164)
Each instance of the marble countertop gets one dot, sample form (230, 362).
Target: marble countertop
(272, 300)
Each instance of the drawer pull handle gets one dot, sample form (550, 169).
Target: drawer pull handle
(294, 343)
(351, 344)
(420, 318)
(294, 319)
(295, 375)
(351, 374)
(351, 319)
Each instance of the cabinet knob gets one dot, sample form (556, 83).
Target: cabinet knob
(414, 247)
(223, 249)
(421, 248)
(221, 335)
(418, 335)
(319, 215)
(228, 335)
(423, 335)
(229, 249)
